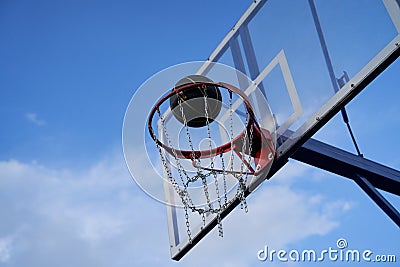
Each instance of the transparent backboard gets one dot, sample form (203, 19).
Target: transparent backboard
(278, 45)
(308, 58)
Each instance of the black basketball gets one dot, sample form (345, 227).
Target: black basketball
(193, 101)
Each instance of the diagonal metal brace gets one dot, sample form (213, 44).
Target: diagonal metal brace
(368, 174)
(380, 200)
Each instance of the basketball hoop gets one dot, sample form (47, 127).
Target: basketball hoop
(249, 153)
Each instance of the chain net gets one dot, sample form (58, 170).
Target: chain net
(221, 178)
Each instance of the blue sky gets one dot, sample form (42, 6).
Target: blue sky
(68, 70)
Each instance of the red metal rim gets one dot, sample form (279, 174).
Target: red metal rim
(196, 154)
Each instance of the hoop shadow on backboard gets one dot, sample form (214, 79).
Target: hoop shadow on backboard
(282, 46)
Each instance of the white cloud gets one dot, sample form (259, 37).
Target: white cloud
(32, 117)
(5, 249)
(102, 218)
(76, 211)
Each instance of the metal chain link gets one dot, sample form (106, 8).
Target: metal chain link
(189, 233)
(244, 142)
(163, 159)
(168, 171)
(212, 160)
(186, 128)
(181, 170)
(224, 178)
(205, 186)
(249, 162)
(243, 179)
(183, 194)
